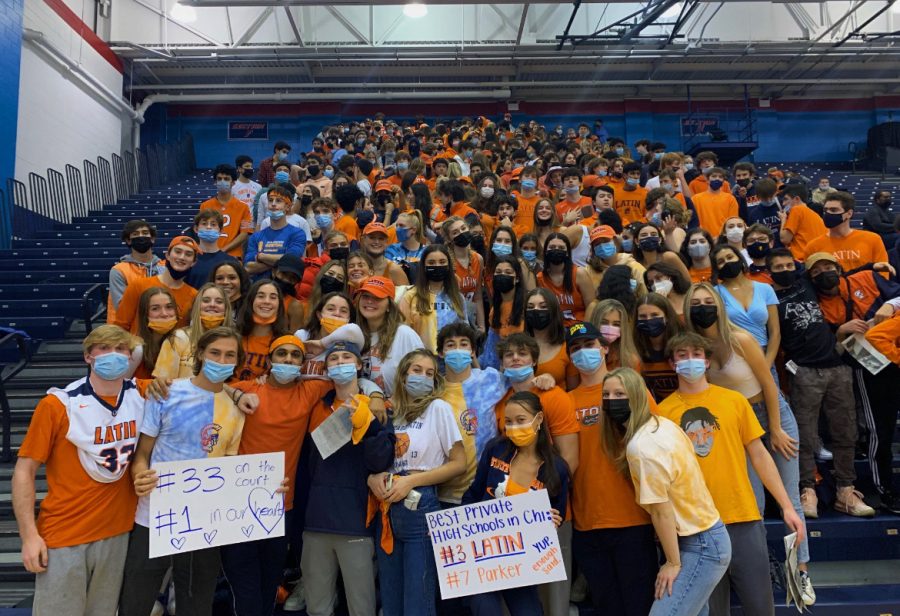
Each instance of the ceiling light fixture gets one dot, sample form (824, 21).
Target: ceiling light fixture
(415, 10)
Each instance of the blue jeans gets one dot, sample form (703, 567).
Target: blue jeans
(704, 560)
(788, 469)
(407, 578)
(519, 601)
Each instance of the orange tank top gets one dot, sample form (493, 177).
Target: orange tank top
(468, 277)
(571, 303)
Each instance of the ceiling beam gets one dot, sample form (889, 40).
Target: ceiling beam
(254, 27)
(293, 24)
(184, 27)
(359, 36)
(522, 23)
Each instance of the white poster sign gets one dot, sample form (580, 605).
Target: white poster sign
(496, 544)
(206, 503)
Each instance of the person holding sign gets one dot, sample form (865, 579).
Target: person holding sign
(197, 420)
(669, 485)
(85, 435)
(428, 452)
(335, 537)
(523, 459)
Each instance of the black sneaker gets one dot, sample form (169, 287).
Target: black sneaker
(891, 502)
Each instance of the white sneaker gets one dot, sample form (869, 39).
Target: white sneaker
(158, 609)
(807, 592)
(297, 600)
(824, 455)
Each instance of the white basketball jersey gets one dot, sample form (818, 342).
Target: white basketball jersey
(105, 436)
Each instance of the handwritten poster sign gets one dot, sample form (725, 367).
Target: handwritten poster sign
(216, 501)
(248, 131)
(496, 544)
(694, 125)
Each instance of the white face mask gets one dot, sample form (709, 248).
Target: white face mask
(663, 287)
(735, 235)
(487, 192)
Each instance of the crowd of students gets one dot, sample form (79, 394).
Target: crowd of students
(502, 307)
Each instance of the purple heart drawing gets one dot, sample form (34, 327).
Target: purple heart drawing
(178, 542)
(247, 530)
(267, 507)
(210, 536)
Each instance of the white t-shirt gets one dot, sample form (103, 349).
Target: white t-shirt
(383, 371)
(246, 192)
(295, 220)
(581, 253)
(424, 444)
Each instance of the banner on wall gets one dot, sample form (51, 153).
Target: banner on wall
(698, 125)
(248, 131)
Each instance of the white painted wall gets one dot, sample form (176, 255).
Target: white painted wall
(60, 120)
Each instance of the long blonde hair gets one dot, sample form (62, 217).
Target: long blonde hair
(195, 329)
(615, 439)
(726, 328)
(406, 408)
(628, 355)
(392, 321)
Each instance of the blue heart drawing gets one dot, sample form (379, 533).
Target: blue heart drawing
(210, 536)
(267, 507)
(178, 542)
(247, 530)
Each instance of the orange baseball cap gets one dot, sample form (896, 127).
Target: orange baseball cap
(602, 232)
(288, 339)
(378, 286)
(375, 227)
(383, 185)
(184, 240)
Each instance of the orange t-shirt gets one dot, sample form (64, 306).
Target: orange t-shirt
(701, 184)
(256, 357)
(885, 337)
(602, 497)
(630, 204)
(126, 315)
(559, 367)
(77, 509)
(570, 304)
(237, 219)
(462, 209)
(860, 289)
(590, 181)
(524, 218)
(856, 249)
(565, 206)
(806, 226)
(558, 409)
(281, 421)
(347, 225)
(468, 278)
(762, 276)
(713, 209)
(702, 274)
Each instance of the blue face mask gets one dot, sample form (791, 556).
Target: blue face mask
(627, 245)
(571, 190)
(620, 151)
(402, 234)
(633, 284)
(658, 155)
(329, 173)
(529, 184)
(110, 366)
(605, 250)
(402, 165)
(208, 235)
(519, 375)
(529, 255)
(419, 385)
(469, 153)
(602, 173)
(587, 360)
(324, 221)
(223, 185)
(656, 219)
(691, 369)
(282, 155)
(501, 250)
(632, 181)
(216, 372)
(342, 373)
(276, 214)
(457, 360)
(285, 373)
(282, 176)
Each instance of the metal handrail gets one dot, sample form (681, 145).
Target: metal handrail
(92, 308)
(5, 375)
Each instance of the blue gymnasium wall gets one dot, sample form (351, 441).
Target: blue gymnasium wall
(10, 58)
(793, 131)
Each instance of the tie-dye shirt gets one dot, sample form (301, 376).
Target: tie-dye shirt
(190, 424)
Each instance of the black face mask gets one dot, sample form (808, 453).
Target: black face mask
(178, 275)
(504, 282)
(305, 200)
(478, 243)
(555, 256)
(704, 316)
(832, 220)
(538, 318)
(885, 203)
(437, 273)
(649, 244)
(142, 243)
(826, 281)
(364, 217)
(758, 250)
(287, 289)
(330, 284)
(743, 183)
(652, 327)
(784, 278)
(618, 409)
(730, 270)
(313, 170)
(248, 173)
(463, 239)
(340, 253)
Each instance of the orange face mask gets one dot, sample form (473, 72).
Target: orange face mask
(261, 321)
(162, 326)
(329, 324)
(522, 436)
(212, 321)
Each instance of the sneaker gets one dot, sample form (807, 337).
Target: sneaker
(824, 455)
(158, 609)
(578, 592)
(890, 502)
(810, 503)
(807, 592)
(850, 501)
(297, 601)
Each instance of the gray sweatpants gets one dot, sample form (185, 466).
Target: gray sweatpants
(748, 573)
(324, 555)
(82, 580)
